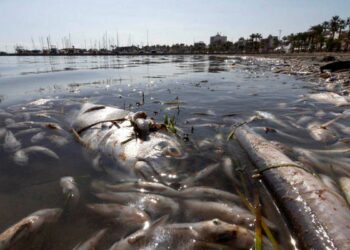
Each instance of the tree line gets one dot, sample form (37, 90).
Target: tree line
(332, 35)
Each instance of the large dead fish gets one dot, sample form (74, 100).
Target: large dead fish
(182, 236)
(27, 226)
(155, 205)
(134, 142)
(302, 197)
(120, 214)
(329, 97)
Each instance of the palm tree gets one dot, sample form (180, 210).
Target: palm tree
(258, 38)
(291, 39)
(316, 32)
(342, 25)
(347, 23)
(334, 25)
(252, 38)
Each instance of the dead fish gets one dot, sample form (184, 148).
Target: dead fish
(299, 192)
(323, 163)
(228, 168)
(304, 119)
(124, 215)
(70, 189)
(5, 114)
(21, 156)
(286, 136)
(183, 235)
(58, 140)
(39, 102)
(344, 183)
(111, 132)
(9, 121)
(30, 124)
(200, 175)
(208, 193)
(2, 133)
(271, 117)
(141, 237)
(143, 187)
(322, 134)
(204, 210)
(38, 137)
(343, 129)
(28, 226)
(215, 230)
(92, 242)
(330, 183)
(329, 97)
(27, 131)
(154, 205)
(11, 144)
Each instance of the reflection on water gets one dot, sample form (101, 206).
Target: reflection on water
(207, 96)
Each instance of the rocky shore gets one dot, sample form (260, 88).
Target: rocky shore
(309, 66)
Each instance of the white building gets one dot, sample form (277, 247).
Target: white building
(218, 39)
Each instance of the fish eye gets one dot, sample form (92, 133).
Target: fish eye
(161, 145)
(216, 222)
(173, 152)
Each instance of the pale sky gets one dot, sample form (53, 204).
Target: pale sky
(167, 21)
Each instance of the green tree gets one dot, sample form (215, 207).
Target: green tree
(334, 25)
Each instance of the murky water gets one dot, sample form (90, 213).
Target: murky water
(207, 96)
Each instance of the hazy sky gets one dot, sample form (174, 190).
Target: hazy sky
(167, 21)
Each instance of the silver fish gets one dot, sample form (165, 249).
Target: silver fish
(38, 137)
(9, 121)
(91, 243)
(70, 189)
(299, 192)
(154, 205)
(330, 183)
(183, 235)
(29, 225)
(204, 210)
(200, 175)
(112, 132)
(30, 124)
(11, 144)
(271, 117)
(124, 215)
(207, 192)
(21, 156)
(329, 97)
(322, 134)
(215, 230)
(58, 140)
(2, 133)
(28, 131)
(143, 187)
(141, 237)
(344, 183)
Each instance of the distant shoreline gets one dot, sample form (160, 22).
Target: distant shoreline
(287, 55)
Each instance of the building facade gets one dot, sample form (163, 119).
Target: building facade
(218, 39)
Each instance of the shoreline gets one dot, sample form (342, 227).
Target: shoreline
(268, 55)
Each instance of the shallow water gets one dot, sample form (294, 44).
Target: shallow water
(207, 95)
